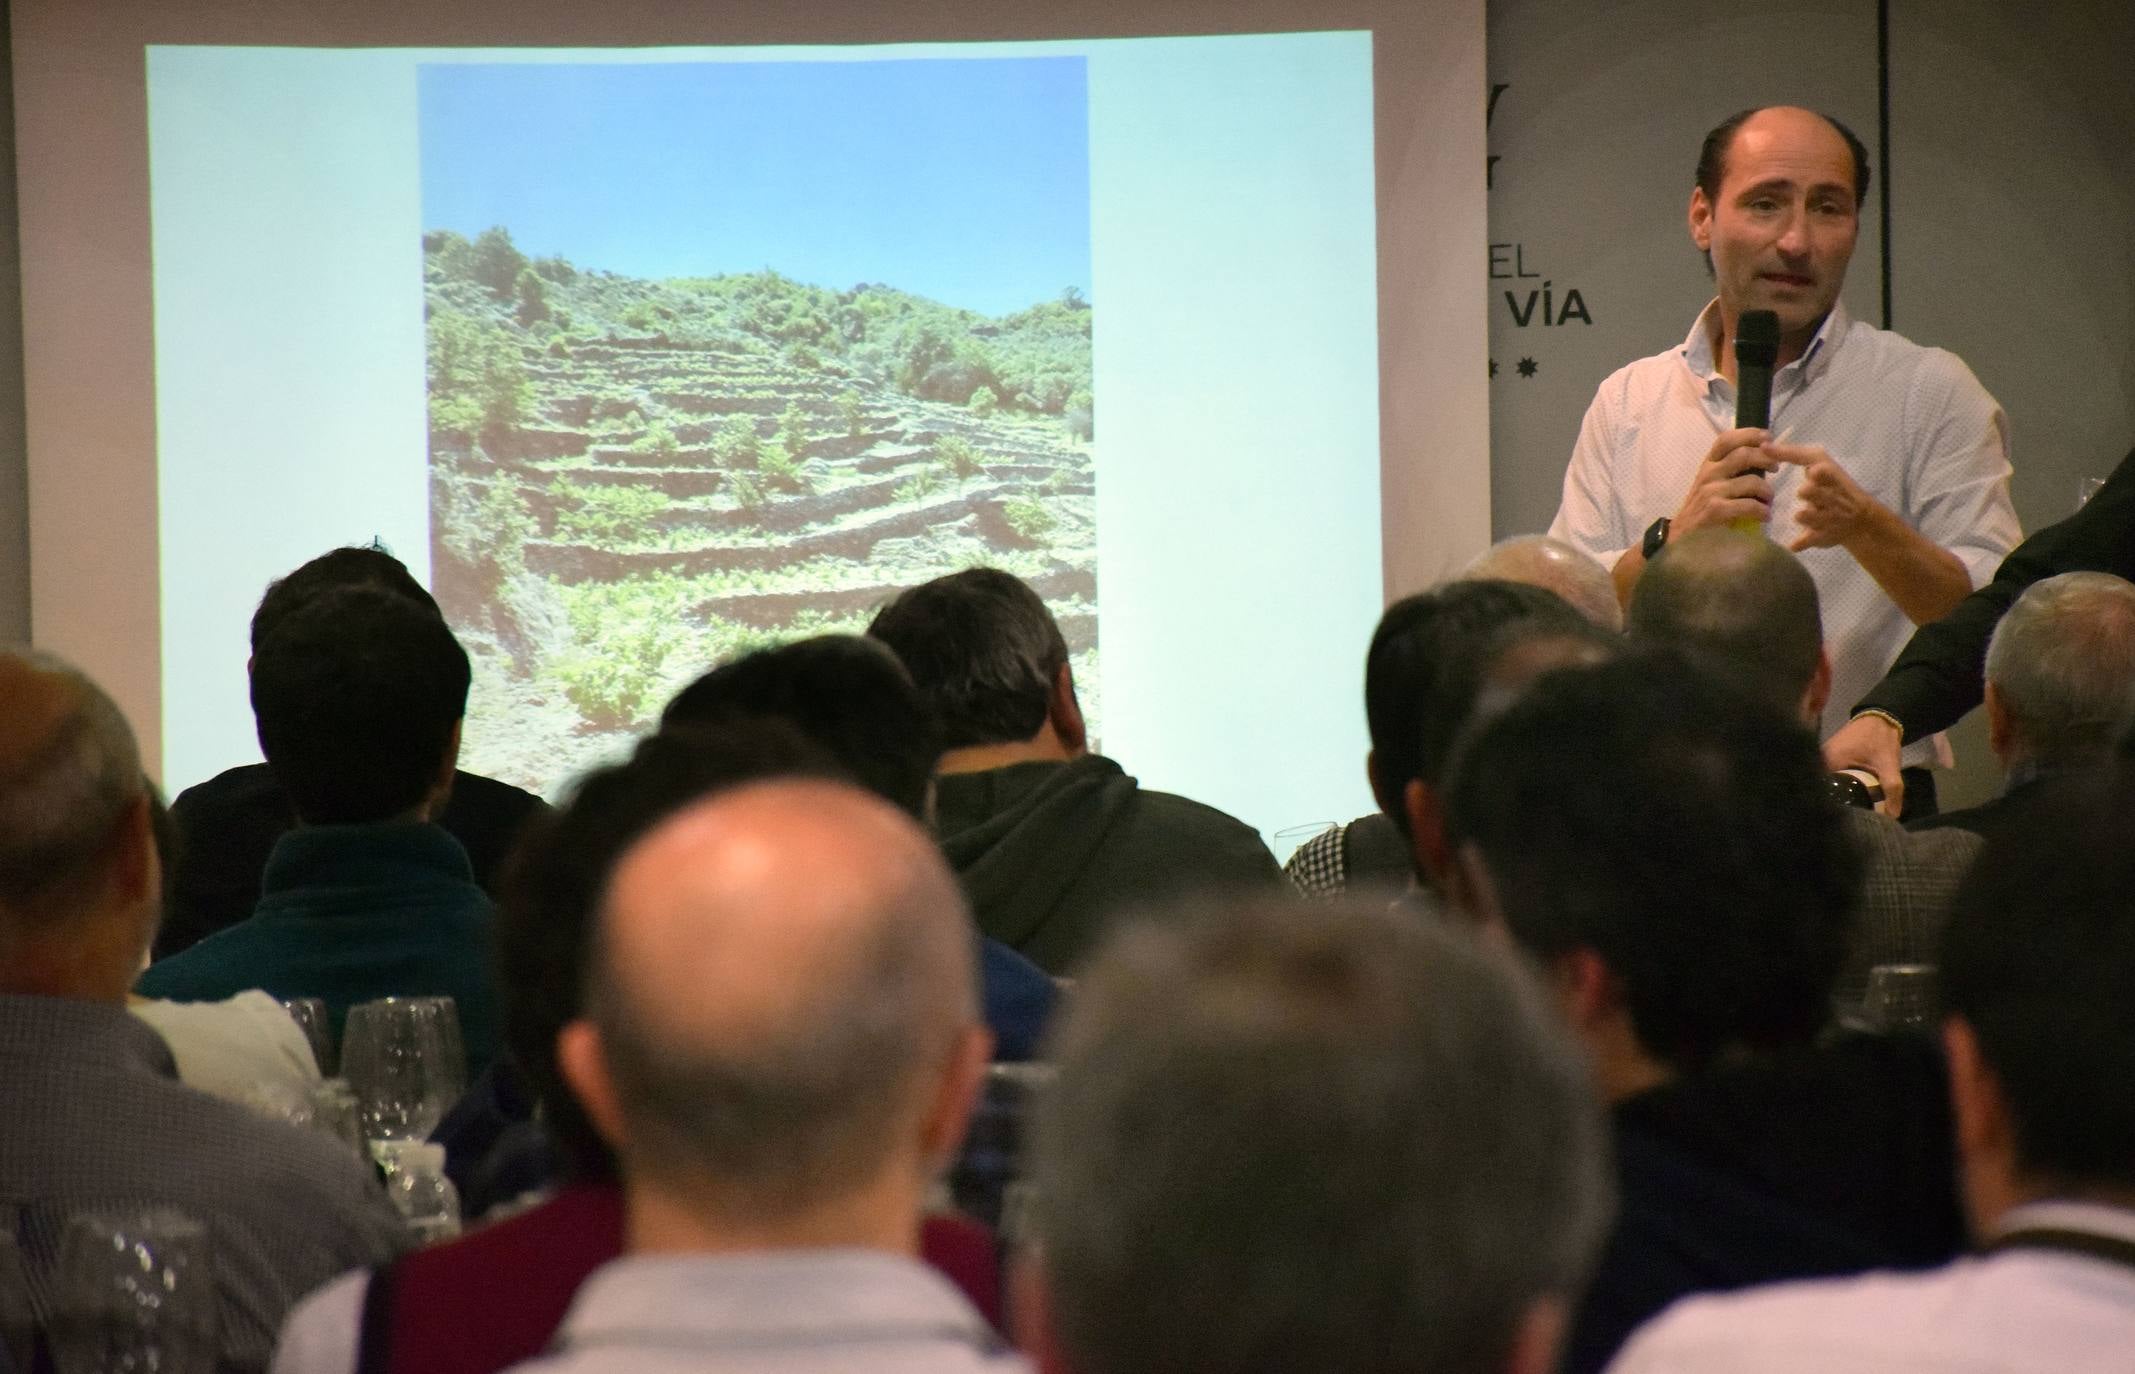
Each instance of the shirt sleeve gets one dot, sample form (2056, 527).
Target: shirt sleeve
(321, 1333)
(1957, 481)
(1589, 517)
(1941, 674)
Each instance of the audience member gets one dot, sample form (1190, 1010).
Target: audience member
(1555, 566)
(1663, 846)
(1048, 838)
(1423, 646)
(852, 695)
(1938, 677)
(230, 822)
(781, 1045)
(1746, 608)
(2060, 691)
(96, 1122)
(1354, 1143)
(359, 696)
(2036, 966)
(522, 1272)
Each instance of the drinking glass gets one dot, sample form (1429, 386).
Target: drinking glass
(2086, 488)
(1903, 998)
(311, 1017)
(402, 1057)
(134, 1294)
(336, 1111)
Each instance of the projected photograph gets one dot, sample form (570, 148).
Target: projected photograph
(722, 354)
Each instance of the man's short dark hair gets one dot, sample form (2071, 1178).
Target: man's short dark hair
(1417, 665)
(1353, 1142)
(1741, 604)
(332, 571)
(552, 886)
(356, 694)
(1712, 154)
(984, 650)
(847, 693)
(1679, 828)
(2038, 959)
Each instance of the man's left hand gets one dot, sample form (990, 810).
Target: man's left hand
(1831, 507)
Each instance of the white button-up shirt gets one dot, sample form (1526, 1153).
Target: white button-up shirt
(1911, 425)
(2017, 1311)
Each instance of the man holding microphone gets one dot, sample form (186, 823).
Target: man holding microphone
(1883, 464)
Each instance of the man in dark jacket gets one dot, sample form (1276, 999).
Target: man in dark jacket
(1049, 839)
(1660, 842)
(228, 825)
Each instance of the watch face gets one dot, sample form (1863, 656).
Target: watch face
(1656, 536)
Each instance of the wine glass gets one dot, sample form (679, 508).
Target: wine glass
(402, 1057)
(311, 1017)
(134, 1294)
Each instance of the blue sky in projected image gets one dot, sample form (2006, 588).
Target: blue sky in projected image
(967, 181)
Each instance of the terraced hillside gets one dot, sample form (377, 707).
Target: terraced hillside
(645, 478)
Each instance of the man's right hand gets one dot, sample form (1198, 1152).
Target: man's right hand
(1730, 484)
(1870, 742)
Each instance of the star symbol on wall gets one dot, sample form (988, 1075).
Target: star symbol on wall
(1527, 367)
(1493, 367)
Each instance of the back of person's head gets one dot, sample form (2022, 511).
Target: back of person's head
(73, 801)
(1416, 664)
(1741, 604)
(783, 991)
(2061, 665)
(984, 650)
(1355, 1141)
(553, 882)
(1555, 566)
(336, 570)
(2037, 963)
(1678, 828)
(358, 694)
(849, 694)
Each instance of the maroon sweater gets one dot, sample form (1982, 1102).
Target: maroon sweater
(495, 1297)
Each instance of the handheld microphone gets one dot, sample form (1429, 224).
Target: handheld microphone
(1756, 349)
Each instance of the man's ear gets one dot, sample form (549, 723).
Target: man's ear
(962, 1080)
(1425, 811)
(585, 1069)
(2001, 726)
(1541, 1335)
(1065, 712)
(1985, 1130)
(1819, 694)
(1700, 219)
(1587, 990)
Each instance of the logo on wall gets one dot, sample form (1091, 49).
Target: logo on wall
(1538, 306)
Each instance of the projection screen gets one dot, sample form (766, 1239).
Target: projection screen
(644, 343)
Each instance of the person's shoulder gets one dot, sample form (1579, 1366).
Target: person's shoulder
(1924, 368)
(245, 788)
(1878, 1321)
(1187, 821)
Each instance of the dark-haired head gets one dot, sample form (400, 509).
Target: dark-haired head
(985, 652)
(1418, 674)
(553, 883)
(336, 570)
(1677, 828)
(358, 694)
(2037, 964)
(849, 694)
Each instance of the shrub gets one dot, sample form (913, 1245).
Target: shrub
(1029, 518)
(604, 514)
(793, 430)
(854, 412)
(476, 374)
(957, 457)
(736, 444)
(983, 402)
(532, 294)
(657, 440)
(559, 347)
(613, 684)
(1079, 416)
(484, 526)
(497, 262)
(748, 492)
(919, 486)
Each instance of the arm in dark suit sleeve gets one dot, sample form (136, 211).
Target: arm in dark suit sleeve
(1940, 676)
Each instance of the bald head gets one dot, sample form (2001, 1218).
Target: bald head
(783, 973)
(70, 777)
(1740, 602)
(1555, 566)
